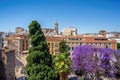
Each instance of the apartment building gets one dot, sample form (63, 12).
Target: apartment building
(53, 44)
(18, 42)
(21, 42)
(111, 35)
(73, 41)
(98, 41)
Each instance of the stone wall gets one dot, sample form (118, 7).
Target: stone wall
(2, 72)
(9, 63)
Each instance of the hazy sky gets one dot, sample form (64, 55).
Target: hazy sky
(88, 16)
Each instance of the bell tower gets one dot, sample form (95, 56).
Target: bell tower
(56, 27)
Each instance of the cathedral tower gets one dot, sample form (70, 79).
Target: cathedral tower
(56, 27)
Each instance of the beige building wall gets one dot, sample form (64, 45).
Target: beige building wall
(73, 41)
(19, 29)
(53, 44)
(8, 57)
(19, 42)
(71, 31)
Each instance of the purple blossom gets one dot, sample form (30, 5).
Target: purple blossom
(91, 59)
(118, 53)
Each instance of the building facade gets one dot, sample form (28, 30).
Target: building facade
(2, 67)
(19, 29)
(73, 41)
(111, 35)
(100, 42)
(8, 57)
(53, 44)
(19, 42)
(51, 32)
(102, 32)
(71, 31)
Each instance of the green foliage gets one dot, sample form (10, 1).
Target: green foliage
(63, 48)
(39, 61)
(62, 63)
(118, 46)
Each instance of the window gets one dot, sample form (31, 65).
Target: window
(101, 39)
(80, 44)
(105, 45)
(72, 48)
(56, 45)
(64, 39)
(48, 44)
(109, 45)
(56, 50)
(100, 44)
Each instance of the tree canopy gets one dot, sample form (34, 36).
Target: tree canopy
(118, 46)
(63, 48)
(39, 61)
(62, 61)
(89, 59)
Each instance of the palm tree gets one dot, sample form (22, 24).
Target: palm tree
(62, 65)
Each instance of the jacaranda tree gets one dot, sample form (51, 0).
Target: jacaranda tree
(93, 61)
(107, 61)
(39, 61)
(117, 64)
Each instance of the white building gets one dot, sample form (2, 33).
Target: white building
(70, 31)
(118, 40)
(114, 35)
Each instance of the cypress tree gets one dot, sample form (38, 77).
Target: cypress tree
(39, 61)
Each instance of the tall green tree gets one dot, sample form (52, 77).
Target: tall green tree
(39, 61)
(118, 46)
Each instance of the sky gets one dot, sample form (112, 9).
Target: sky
(88, 16)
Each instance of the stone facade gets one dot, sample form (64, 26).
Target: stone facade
(19, 29)
(71, 31)
(102, 32)
(8, 57)
(51, 32)
(19, 42)
(20, 63)
(73, 41)
(2, 72)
